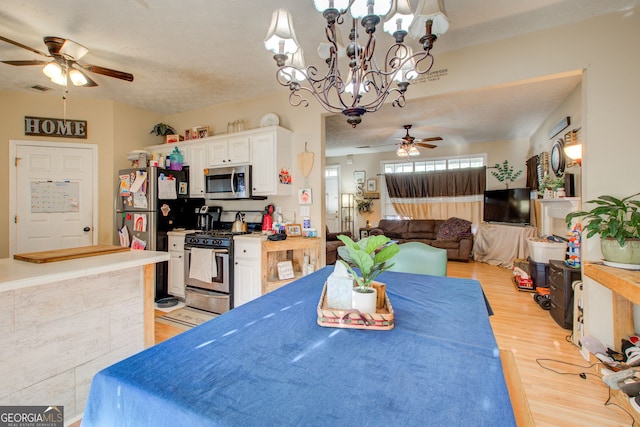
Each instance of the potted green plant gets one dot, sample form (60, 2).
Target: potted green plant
(550, 185)
(162, 129)
(364, 205)
(370, 256)
(617, 222)
(505, 174)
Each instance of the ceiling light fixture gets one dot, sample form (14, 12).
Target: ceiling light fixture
(367, 85)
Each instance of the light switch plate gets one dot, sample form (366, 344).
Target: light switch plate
(304, 211)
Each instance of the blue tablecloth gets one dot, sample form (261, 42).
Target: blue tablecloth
(269, 363)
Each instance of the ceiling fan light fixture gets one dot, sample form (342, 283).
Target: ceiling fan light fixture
(413, 151)
(77, 78)
(52, 70)
(401, 152)
(60, 80)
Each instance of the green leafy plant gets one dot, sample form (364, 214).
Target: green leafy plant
(364, 205)
(162, 129)
(551, 183)
(611, 218)
(505, 173)
(369, 255)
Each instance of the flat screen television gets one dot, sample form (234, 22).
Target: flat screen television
(510, 206)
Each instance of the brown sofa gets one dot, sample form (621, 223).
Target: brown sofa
(333, 243)
(453, 234)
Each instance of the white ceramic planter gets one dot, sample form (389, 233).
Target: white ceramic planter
(364, 302)
(627, 254)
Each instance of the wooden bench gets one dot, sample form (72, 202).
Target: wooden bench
(519, 401)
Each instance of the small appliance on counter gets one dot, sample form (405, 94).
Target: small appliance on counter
(267, 218)
(208, 217)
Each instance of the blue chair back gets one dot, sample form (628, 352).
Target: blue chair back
(419, 258)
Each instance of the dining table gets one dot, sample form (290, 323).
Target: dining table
(269, 363)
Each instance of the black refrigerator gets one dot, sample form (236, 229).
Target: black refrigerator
(150, 202)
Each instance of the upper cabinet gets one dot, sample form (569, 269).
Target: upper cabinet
(227, 152)
(270, 152)
(267, 149)
(196, 158)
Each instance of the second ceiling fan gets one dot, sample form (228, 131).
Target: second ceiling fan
(409, 145)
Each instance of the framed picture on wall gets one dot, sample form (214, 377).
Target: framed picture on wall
(371, 185)
(359, 177)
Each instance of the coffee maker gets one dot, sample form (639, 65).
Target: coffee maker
(267, 218)
(208, 217)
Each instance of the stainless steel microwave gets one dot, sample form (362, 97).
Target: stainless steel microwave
(233, 182)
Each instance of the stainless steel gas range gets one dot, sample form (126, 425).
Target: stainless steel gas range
(214, 249)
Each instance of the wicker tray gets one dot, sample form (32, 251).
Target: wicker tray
(381, 320)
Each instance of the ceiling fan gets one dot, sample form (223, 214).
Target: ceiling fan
(65, 54)
(409, 145)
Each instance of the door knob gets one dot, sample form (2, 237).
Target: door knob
(86, 229)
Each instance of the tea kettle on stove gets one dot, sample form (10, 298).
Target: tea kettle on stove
(239, 226)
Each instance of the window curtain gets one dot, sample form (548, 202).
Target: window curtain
(439, 194)
(532, 173)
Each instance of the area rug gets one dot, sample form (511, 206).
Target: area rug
(186, 318)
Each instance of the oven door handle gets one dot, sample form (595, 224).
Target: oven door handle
(233, 187)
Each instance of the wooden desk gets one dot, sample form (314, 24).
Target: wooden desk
(625, 291)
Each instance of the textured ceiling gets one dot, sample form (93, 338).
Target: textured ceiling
(187, 55)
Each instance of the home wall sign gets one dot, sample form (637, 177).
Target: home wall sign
(46, 126)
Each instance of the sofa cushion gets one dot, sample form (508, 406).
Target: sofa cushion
(454, 229)
(422, 226)
(417, 236)
(393, 228)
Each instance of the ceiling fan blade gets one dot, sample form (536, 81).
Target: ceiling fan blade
(107, 72)
(20, 63)
(24, 47)
(419, 144)
(435, 138)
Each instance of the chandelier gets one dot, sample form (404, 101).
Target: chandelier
(362, 85)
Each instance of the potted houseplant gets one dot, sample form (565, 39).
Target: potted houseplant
(364, 205)
(162, 129)
(617, 222)
(505, 174)
(550, 185)
(370, 256)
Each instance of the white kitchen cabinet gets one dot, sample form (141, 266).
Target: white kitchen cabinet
(231, 151)
(246, 269)
(176, 263)
(270, 152)
(196, 159)
(267, 149)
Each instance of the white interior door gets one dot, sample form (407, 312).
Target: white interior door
(55, 196)
(332, 202)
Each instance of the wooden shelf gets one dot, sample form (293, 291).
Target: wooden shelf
(625, 289)
(292, 249)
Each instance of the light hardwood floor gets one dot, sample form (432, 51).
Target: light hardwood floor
(521, 326)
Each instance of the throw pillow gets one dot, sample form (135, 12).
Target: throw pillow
(454, 229)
